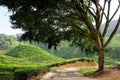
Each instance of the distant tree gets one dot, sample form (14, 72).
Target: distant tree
(66, 50)
(7, 42)
(56, 20)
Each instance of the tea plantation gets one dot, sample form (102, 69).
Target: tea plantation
(27, 60)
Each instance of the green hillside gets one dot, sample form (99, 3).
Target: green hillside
(25, 60)
(33, 54)
(11, 62)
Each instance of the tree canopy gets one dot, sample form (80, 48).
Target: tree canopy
(44, 20)
(54, 20)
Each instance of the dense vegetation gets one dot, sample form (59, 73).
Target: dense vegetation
(7, 42)
(66, 51)
(73, 51)
(27, 60)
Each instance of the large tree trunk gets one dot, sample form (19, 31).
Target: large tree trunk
(99, 43)
(101, 60)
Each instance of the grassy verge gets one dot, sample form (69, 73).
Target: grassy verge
(16, 71)
(86, 71)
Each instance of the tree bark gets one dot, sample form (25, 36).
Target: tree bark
(101, 60)
(99, 43)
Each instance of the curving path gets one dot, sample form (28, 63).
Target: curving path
(65, 74)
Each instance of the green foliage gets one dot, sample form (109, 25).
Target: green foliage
(29, 71)
(115, 53)
(52, 23)
(66, 50)
(7, 42)
(23, 51)
(32, 54)
(115, 41)
(12, 60)
(80, 59)
(28, 60)
(86, 71)
(111, 61)
(38, 62)
(6, 76)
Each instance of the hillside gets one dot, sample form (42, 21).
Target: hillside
(11, 61)
(27, 60)
(32, 54)
(115, 41)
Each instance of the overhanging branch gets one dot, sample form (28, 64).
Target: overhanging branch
(75, 27)
(107, 19)
(88, 23)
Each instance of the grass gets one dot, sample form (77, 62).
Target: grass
(33, 54)
(26, 59)
(6, 76)
(86, 71)
(8, 60)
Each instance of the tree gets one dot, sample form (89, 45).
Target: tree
(7, 42)
(52, 21)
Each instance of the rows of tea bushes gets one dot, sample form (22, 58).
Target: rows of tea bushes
(26, 60)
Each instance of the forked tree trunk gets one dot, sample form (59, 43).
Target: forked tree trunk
(101, 60)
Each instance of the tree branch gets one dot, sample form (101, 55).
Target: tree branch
(92, 9)
(102, 9)
(115, 11)
(108, 11)
(107, 19)
(113, 33)
(88, 24)
(106, 28)
(91, 13)
(97, 19)
(75, 27)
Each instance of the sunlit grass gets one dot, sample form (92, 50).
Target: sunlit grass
(86, 71)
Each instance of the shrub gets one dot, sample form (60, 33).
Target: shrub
(27, 72)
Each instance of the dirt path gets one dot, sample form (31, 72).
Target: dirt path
(109, 74)
(65, 74)
(70, 72)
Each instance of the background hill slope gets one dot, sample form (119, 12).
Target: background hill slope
(33, 54)
(111, 27)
